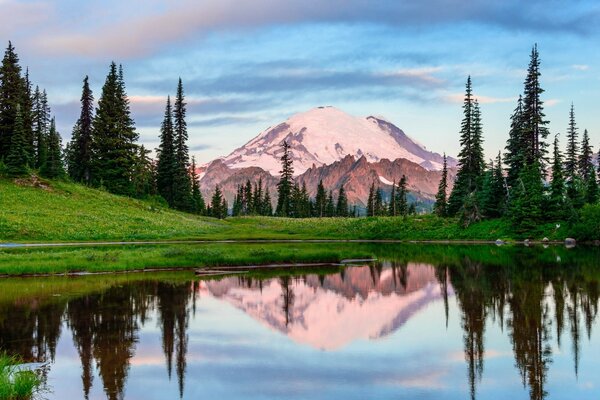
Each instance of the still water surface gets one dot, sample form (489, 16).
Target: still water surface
(430, 323)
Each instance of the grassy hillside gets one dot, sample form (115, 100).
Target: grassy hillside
(60, 211)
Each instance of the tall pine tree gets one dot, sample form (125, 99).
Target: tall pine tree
(12, 94)
(114, 137)
(53, 167)
(440, 206)
(471, 163)
(515, 148)
(534, 123)
(341, 209)
(182, 186)
(285, 184)
(17, 158)
(556, 209)
(199, 207)
(80, 157)
(166, 166)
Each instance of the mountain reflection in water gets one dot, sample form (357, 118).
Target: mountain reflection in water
(111, 331)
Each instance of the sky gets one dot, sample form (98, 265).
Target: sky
(249, 65)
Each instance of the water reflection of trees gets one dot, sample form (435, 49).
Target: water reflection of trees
(524, 292)
(105, 329)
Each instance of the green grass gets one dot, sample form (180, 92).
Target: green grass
(66, 212)
(20, 261)
(14, 383)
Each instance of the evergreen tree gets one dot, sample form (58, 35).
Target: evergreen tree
(371, 201)
(41, 125)
(182, 186)
(257, 198)
(53, 167)
(80, 157)
(320, 200)
(12, 94)
(284, 187)
(330, 205)
(144, 179)
(535, 129)
(441, 204)
(218, 204)
(114, 136)
(247, 199)
(166, 166)
(378, 206)
(341, 209)
(237, 207)
(585, 159)
(401, 198)
(17, 158)
(526, 210)
(27, 112)
(514, 156)
(471, 163)
(392, 211)
(572, 155)
(556, 209)
(267, 205)
(592, 191)
(199, 207)
(494, 195)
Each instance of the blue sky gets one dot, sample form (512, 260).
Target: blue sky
(249, 65)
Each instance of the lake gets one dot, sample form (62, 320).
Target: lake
(421, 322)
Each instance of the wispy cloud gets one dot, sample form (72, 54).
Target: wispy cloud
(153, 28)
(457, 98)
(580, 67)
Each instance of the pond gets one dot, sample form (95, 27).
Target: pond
(421, 322)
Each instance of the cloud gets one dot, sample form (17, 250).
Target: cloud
(17, 18)
(153, 28)
(551, 102)
(200, 147)
(226, 120)
(580, 67)
(457, 98)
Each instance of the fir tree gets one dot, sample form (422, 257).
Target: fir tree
(401, 198)
(392, 211)
(27, 112)
(199, 207)
(441, 205)
(17, 158)
(166, 166)
(247, 199)
(535, 129)
(341, 209)
(514, 156)
(471, 163)
(218, 204)
(41, 125)
(371, 201)
(592, 191)
(80, 157)
(182, 187)
(284, 187)
(267, 209)
(144, 179)
(572, 155)
(526, 210)
(330, 205)
(12, 94)
(53, 167)
(320, 200)
(378, 206)
(114, 136)
(585, 159)
(494, 195)
(556, 209)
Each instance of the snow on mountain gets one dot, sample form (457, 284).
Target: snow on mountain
(324, 135)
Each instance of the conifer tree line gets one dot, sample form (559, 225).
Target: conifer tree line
(28, 136)
(527, 184)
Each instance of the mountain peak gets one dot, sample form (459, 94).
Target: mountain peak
(326, 134)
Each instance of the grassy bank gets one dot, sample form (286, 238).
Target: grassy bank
(126, 258)
(14, 383)
(62, 212)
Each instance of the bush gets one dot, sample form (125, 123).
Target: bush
(588, 227)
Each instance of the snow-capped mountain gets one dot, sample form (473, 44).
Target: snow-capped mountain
(324, 135)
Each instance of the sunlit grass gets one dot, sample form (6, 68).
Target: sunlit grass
(17, 384)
